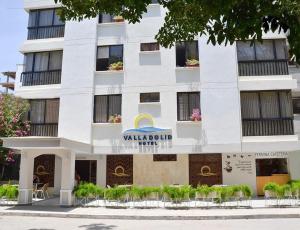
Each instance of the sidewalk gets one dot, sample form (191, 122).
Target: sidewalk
(150, 214)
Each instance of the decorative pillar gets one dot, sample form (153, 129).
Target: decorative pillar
(67, 178)
(26, 178)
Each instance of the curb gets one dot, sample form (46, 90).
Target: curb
(131, 217)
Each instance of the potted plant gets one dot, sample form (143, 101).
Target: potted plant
(116, 118)
(196, 115)
(116, 66)
(192, 63)
(271, 190)
(118, 18)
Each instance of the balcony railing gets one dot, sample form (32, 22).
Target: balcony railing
(42, 32)
(46, 130)
(268, 127)
(263, 67)
(48, 77)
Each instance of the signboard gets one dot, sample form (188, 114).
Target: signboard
(147, 135)
(271, 155)
(239, 168)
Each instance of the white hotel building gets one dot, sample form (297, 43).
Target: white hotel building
(246, 133)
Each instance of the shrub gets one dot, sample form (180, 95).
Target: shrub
(271, 186)
(9, 192)
(204, 190)
(84, 190)
(177, 194)
(116, 193)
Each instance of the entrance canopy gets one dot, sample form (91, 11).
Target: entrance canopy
(46, 143)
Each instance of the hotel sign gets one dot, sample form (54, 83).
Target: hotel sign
(149, 135)
(271, 155)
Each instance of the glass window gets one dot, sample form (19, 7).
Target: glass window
(164, 157)
(296, 105)
(107, 55)
(186, 51)
(245, 51)
(267, 50)
(43, 61)
(105, 18)
(44, 111)
(266, 105)
(41, 18)
(153, 46)
(107, 106)
(149, 97)
(187, 103)
(269, 167)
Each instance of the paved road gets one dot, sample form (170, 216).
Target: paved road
(41, 223)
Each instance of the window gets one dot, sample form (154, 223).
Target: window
(266, 105)
(107, 18)
(154, 1)
(149, 97)
(268, 167)
(45, 24)
(187, 104)
(107, 106)
(296, 105)
(44, 61)
(44, 111)
(153, 46)
(108, 55)
(164, 157)
(268, 50)
(185, 52)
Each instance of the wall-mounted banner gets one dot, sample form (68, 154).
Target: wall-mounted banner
(148, 135)
(271, 155)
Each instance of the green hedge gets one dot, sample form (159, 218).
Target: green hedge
(9, 192)
(292, 187)
(167, 192)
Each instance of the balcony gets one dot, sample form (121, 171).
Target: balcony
(263, 67)
(45, 130)
(48, 77)
(268, 127)
(42, 32)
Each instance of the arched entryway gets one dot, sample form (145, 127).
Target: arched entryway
(55, 167)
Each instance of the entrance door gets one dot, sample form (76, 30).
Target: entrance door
(119, 169)
(205, 169)
(87, 170)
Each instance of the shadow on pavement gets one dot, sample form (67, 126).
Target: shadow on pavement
(97, 227)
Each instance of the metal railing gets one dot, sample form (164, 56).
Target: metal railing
(263, 67)
(46, 130)
(48, 77)
(41, 32)
(268, 127)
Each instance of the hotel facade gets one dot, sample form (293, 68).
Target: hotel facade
(107, 102)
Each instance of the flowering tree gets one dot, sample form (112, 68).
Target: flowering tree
(13, 111)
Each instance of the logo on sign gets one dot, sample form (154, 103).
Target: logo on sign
(147, 134)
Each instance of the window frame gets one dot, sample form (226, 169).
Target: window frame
(255, 51)
(296, 110)
(186, 43)
(45, 110)
(188, 93)
(149, 94)
(280, 117)
(107, 107)
(109, 58)
(48, 64)
(164, 157)
(152, 44)
(37, 20)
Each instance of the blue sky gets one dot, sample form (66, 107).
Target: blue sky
(13, 31)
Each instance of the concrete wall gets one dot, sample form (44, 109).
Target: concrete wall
(155, 173)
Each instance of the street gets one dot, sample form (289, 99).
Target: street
(42, 223)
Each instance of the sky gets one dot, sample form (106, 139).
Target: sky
(13, 32)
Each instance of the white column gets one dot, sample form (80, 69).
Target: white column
(101, 170)
(26, 178)
(57, 175)
(67, 178)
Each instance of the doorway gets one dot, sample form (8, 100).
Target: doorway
(87, 170)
